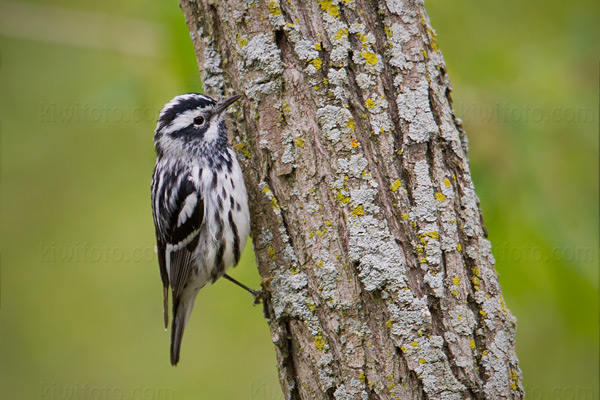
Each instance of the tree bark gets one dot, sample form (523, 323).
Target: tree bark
(363, 208)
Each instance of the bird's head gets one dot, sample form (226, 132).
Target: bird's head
(191, 122)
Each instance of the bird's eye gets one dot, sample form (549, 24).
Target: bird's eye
(199, 121)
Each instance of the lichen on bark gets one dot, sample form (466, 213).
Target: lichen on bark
(363, 208)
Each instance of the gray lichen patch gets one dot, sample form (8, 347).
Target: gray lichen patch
(379, 117)
(213, 80)
(425, 207)
(462, 320)
(328, 276)
(351, 390)
(364, 81)
(399, 37)
(337, 32)
(384, 266)
(497, 362)
(354, 166)
(414, 108)
(262, 54)
(333, 121)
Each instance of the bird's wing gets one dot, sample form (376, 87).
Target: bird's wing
(178, 210)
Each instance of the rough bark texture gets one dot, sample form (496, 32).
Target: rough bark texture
(363, 207)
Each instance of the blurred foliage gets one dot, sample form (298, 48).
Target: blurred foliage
(81, 296)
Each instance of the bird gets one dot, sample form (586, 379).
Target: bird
(199, 204)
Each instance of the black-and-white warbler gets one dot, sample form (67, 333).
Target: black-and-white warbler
(199, 203)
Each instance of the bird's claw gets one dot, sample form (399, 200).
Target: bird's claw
(260, 295)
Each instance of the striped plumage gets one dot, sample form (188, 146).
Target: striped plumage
(199, 203)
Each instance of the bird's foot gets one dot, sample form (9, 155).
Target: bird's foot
(263, 293)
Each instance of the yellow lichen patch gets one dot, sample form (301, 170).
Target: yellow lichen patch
(241, 148)
(483, 313)
(328, 223)
(341, 198)
(271, 252)
(350, 124)
(325, 81)
(299, 142)
(456, 280)
(370, 58)
(503, 305)
(354, 143)
(358, 211)
(317, 63)
(274, 8)
(433, 234)
(318, 46)
(396, 185)
(388, 31)
(388, 323)
(328, 7)
(459, 247)
(414, 344)
(440, 196)
(459, 317)
(321, 233)
(310, 305)
(454, 293)
(342, 33)
(311, 234)
(475, 270)
(447, 182)
(405, 217)
(370, 103)
(472, 344)
(274, 203)
(514, 377)
(320, 341)
(242, 42)
(422, 361)
(362, 377)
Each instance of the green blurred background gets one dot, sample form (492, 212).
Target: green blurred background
(80, 309)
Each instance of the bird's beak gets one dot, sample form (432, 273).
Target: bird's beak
(223, 104)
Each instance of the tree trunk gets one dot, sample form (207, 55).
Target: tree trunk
(363, 208)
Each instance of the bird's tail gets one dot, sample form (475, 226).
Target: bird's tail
(182, 308)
